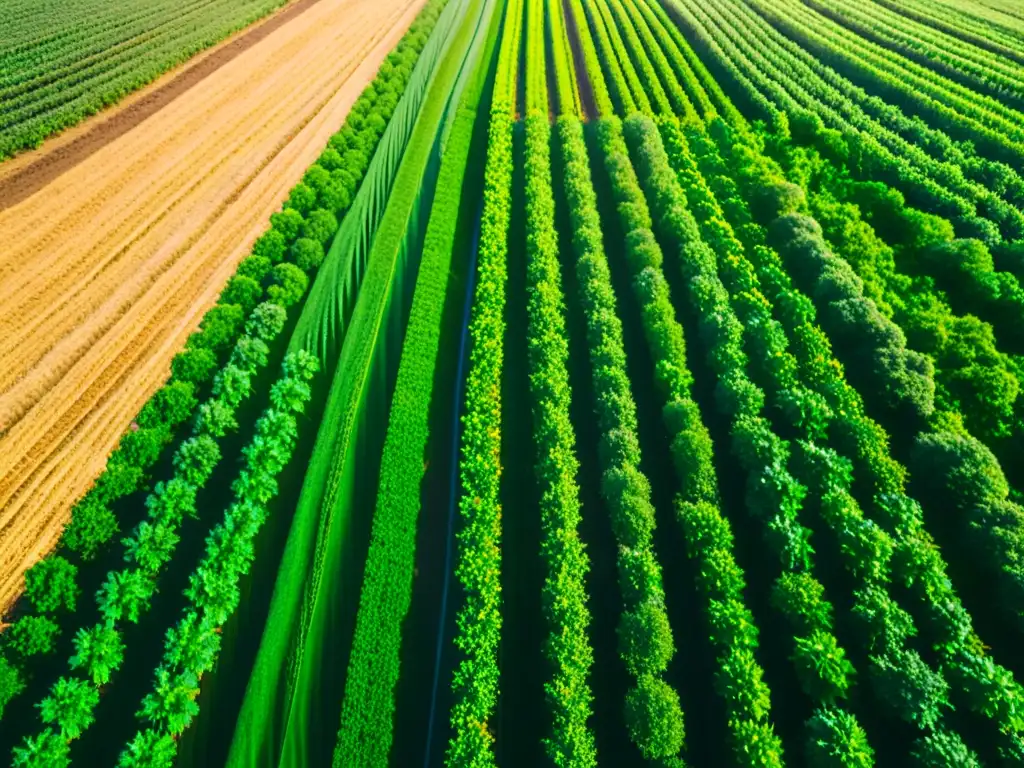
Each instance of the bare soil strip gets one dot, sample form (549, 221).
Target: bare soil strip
(106, 270)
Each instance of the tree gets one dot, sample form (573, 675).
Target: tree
(654, 718)
(192, 645)
(801, 598)
(125, 595)
(289, 284)
(50, 584)
(916, 693)
(11, 683)
(70, 706)
(172, 704)
(287, 223)
(271, 244)
(151, 547)
(307, 254)
(821, 664)
(99, 652)
(320, 226)
(92, 525)
(149, 749)
(33, 635)
(195, 365)
(836, 740)
(266, 321)
(944, 748)
(645, 640)
(196, 458)
(47, 750)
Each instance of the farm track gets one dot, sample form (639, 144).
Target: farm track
(114, 263)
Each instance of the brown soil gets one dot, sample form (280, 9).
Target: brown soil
(108, 267)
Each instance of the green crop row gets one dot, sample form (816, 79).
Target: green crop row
(739, 677)
(916, 561)
(567, 563)
(192, 646)
(646, 645)
(367, 717)
(478, 568)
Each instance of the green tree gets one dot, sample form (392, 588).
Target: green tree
(645, 640)
(192, 645)
(654, 718)
(47, 750)
(151, 546)
(172, 704)
(149, 749)
(821, 664)
(50, 584)
(917, 693)
(125, 595)
(11, 683)
(70, 706)
(942, 749)
(836, 740)
(99, 652)
(33, 635)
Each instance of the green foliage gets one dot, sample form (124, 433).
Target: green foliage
(47, 750)
(564, 592)
(904, 680)
(943, 748)
(288, 285)
(70, 706)
(11, 683)
(99, 653)
(478, 568)
(654, 718)
(836, 740)
(50, 584)
(32, 635)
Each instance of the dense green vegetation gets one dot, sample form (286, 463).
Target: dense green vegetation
(744, 277)
(61, 64)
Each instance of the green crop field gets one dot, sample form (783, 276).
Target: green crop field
(61, 62)
(628, 383)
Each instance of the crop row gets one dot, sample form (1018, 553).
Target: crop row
(916, 562)
(374, 663)
(478, 569)
(192, 646)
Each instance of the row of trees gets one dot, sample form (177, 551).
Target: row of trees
(125, 595)
(976, 69)
(654, 718)
(192, 646)
(917, 564)
(871, 150)
(952, 108)
(478, 562)
(739, 677)
(564, 597)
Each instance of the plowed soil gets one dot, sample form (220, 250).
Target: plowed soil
(107, 268)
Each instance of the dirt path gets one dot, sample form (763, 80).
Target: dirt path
(106, 270)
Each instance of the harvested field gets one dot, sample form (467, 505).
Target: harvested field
(109, 267)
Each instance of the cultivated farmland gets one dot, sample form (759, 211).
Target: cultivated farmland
(608, 382)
